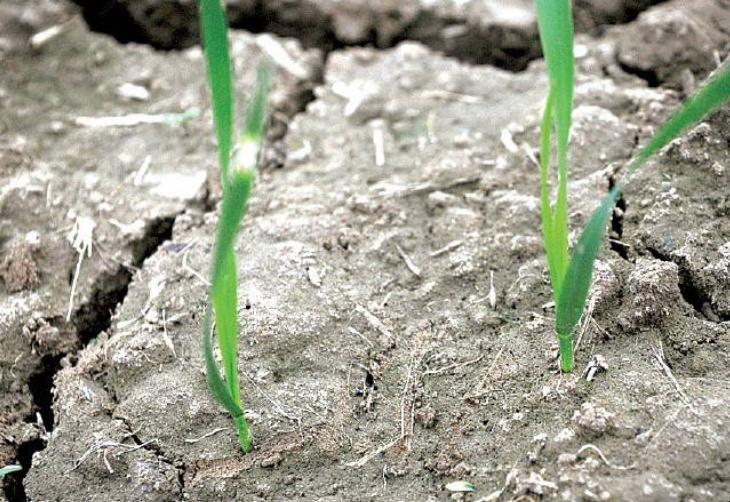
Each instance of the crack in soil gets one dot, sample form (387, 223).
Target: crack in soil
(617, 223)
(691, 292)
(13, 488)
(89, 319)
(649, 76)
(504, 45)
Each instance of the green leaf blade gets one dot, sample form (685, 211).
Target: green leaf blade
(573, 296)
(218, 387)
(555, 22)
(214, 29)
(712, 95)
(256, 113)
(225, 281)
(215, 382)
(570, 305)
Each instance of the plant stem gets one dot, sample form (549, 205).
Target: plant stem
(565, 347)
(244, 438)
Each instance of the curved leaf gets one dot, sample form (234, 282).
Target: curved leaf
(571, 302)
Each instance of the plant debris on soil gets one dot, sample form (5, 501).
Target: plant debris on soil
(396, 320)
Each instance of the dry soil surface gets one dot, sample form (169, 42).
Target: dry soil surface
(396, 313)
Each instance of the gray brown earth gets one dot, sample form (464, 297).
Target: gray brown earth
(396, 311)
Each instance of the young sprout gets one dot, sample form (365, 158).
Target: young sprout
(571, 278)
(238, 170)
(9, 469)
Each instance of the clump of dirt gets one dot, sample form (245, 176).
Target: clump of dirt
(677, 43)
(18, 269)
(652, 294)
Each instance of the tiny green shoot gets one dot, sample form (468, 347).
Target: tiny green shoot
(238, 170)
(571, 278)
(9, 469)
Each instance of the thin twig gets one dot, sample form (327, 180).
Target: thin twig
(481, 385)
(207, 435)
(277, 405)
(369, 456)
(409, 262)
(374, 321)
(659, 355)
(188, 268)
(444, 369)
(587, 317)
(595, 449)
(447, 248)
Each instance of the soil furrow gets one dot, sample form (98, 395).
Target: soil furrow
(502, 34)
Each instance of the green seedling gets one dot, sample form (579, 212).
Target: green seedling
(238, 170)
(9, 469)
(571, 277)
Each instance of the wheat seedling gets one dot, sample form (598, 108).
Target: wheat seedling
(238, 170)
(571, 277)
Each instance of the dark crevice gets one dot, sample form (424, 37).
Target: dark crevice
(41, 389)
(690, 292)
(110, 288)
(89, 320)
(649, 76)
(151, 446)
(174, 25)
(156, 232)
(13, 484)
(94, 316)
(594, 10)
(617, 224)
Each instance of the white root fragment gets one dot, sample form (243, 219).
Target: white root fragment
(597, 451)
(596, 365)
(353, 96)
(206, 435)
(374, 321)
(41, 38)
(133, 92)
(393, 190)
(301, 154)
(449, 367)
(508, 142)
(492, 295)
(81, 239)
(446, 249)
(142, 171)
(355, 332)
(279, 55)
(104, 447)
(379, 145)
(409, 262)
(369, 456)
(135, 119)
(659, 355)
(314, 276)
